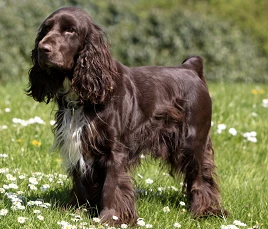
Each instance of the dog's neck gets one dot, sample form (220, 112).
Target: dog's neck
(70, 99)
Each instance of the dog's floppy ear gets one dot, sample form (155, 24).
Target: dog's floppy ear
(95, 69)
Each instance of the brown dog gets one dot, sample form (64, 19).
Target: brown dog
(108, 114)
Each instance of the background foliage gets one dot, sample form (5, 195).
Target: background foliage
(230, 36)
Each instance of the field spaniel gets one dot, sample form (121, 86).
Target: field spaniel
(109, 114)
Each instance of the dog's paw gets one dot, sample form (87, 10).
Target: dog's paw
(110, 216)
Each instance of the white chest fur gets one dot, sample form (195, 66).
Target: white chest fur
(69, 133)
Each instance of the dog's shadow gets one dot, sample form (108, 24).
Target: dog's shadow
(171, 198)
(59, 198)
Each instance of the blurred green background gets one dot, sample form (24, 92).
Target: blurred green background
(230, 35)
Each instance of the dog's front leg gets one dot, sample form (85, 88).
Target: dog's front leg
(118, 195)
(87, 187)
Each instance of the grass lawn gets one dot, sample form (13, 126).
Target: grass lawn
(33, 183)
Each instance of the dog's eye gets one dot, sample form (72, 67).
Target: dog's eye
(70, 30)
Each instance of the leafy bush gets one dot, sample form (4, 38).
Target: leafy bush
(154, 37)
(229, 53)
(19, 22)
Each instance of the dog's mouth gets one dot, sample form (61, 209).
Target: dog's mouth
(45, 61)
(48, 63)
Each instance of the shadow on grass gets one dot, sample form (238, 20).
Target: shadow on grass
(170, 198)
(57, 197)
(59, 200)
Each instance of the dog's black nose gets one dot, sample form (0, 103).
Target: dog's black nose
(46, 48)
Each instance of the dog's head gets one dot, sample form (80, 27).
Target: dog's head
(69, 44)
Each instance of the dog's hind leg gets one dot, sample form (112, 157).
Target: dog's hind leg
(202, 189)
(199, 169)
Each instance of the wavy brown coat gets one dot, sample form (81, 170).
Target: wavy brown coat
(165, 111)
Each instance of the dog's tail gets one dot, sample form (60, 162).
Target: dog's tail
(195, 63)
